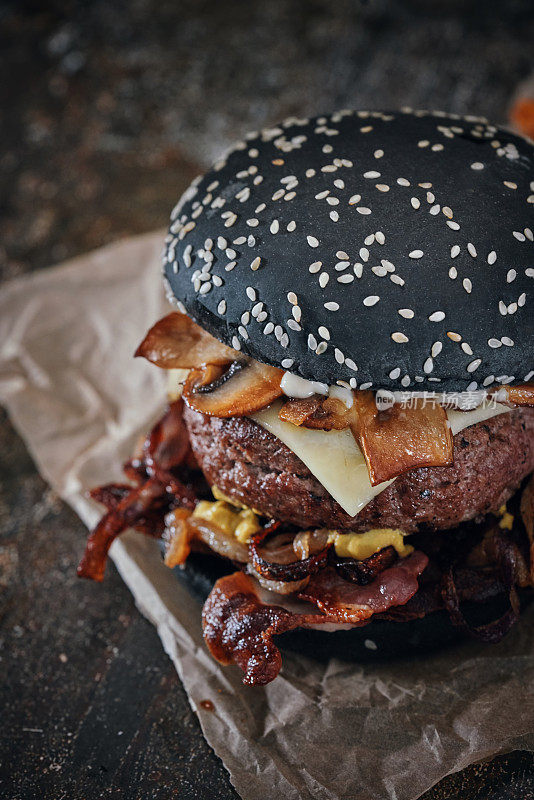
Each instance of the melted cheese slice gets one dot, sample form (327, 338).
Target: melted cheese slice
(337, 462)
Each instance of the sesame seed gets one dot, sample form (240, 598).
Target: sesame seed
(351, 365)
(371, 300)
(382, 187)
(205, 288)
(403, 182)
(477, 165)
(245, 317)
(437, 316)
(474, 365)
(332, 201)
(467, 348)
(371, 174)
(437, 347)
(511, 275)
(310, 173)
(453, 225)
(330, 306)
(324, 277)
(275, 226)
(315, 267)
(296, 311)
(435, 210)
(495, 343)
(338, 355)
(253, 222)
(262, 316)
(287, 363)
(471, 249)
(236, 344)
(290, 195)
(251, 241)
(221, 308)
(312, 342)
(312, 241)
(521, 299)
(229, 267)
(397, 279)
(321, 348)
(416, 254)
(423, 143)
(400, 338)
(355, 199)
(342, 255)
(492, 257)
(405, 381)
(407, 313)
(294, 325)
(380, 238)
(468, 286)
(230, 253)
(519, 236)
(334, 216)
(503, 310)
(256, 309)
(217, 281)
(363, 210)
(415, 202)
(255, 264)
(358, 269)
(453, 273)
(345, 278)
(378, 153)
(230, 220)
(507, 341)
(323, 332)
(292, 297)
(222, 244)
(341, 265)
(447, 211)
(428, 366)
(339, 184)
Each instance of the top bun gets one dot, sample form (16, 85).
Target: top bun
(390, 250)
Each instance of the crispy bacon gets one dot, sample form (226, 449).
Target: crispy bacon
(142, 506)
(347, 602)
(176, 342)
(400, 439)
(239, 628)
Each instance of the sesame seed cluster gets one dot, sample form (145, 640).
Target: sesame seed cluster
(373, 249)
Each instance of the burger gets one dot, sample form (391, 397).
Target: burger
(350, 421)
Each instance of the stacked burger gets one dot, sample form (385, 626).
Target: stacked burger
(350, 420)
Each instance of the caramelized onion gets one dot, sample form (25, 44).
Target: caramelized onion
(491, 632)
(176, 342)
(400, 439)
(364, 572)
(244, 386)
(182, 530)
(277, 560)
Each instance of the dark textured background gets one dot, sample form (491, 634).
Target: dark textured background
(108, 109)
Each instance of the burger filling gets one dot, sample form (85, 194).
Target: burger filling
(343, 505)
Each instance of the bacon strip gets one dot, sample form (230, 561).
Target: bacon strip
(139, 506)
(348, 602)
(239, 628)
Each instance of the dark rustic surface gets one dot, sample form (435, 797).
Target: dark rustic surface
(108, 109)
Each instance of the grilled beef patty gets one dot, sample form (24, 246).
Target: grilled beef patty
(255, 468)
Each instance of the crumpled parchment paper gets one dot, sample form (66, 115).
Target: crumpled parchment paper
(344, 730)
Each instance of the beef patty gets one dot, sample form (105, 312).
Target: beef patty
(255, 468)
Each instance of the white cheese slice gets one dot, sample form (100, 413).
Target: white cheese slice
(337, 462)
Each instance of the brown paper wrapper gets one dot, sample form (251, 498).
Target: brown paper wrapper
(320, 730)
